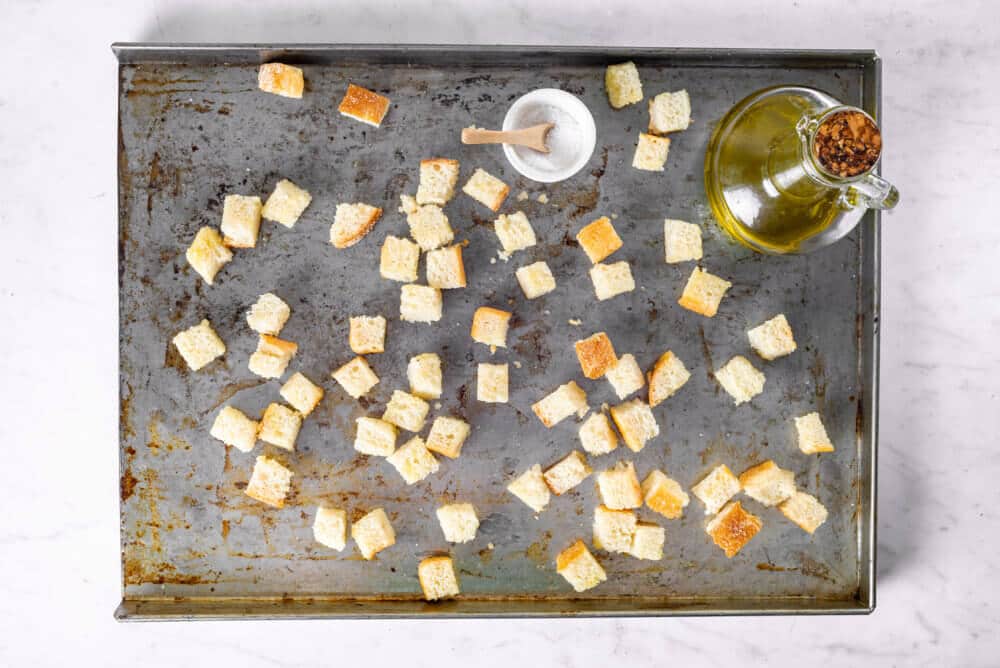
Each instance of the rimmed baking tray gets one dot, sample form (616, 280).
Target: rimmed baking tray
(193, 127)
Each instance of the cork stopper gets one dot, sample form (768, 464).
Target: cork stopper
(847, 143)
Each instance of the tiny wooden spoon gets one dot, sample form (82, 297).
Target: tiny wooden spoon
(533, 137)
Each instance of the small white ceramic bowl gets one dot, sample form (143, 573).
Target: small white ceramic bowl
(571, 142)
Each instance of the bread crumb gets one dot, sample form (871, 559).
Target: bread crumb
(489, 546)
(523, 195)
(517, 364)
(614, 216)
(437, 405)
(575, 322)
(543, 198)
(493, 260)
(493, 350)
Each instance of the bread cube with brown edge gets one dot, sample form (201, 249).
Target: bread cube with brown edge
(406, 411)
(373, 533)
(805, 510)
(530, 488)
(651, 153)
(280, 426)
(199, 345)
(445, 269)
(458, 522)
(596, 435)
(611, 280)
(772, 339)
(286, 203)
(647, 541)
(669, 112)
(207, 254)
(536, 280)
(281, 79)
(733, 528)
(492, 381)
(351, 222)
(486, 189)
(514, 232)
(599, 239)
(619, 487)
(272, 356)
(364, 105)
(429, 225)
(424, 373)
(399, 260)
(767, 483)
(812, 434)
(579, 567)
(625, 376)
(367, 334)
(437, 578)
(375, 437)
(420, 303)
(413, 461)
(715, 489)
(613, 529)
(703, 292)
(740, 379)
(447, 436)
(330, 528)
(635, 423)
(623, 84)
(664, 495)
(268, 314)
(301, 393)
(596, 355)
(240, 221)
(489, 326)
(681, 241)
(561, 403)
(668, 375)
(233, 427)
(438, 177)
(269, 482)
(567, 473)
(356, 377)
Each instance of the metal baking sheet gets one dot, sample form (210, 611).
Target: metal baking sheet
(193, 127)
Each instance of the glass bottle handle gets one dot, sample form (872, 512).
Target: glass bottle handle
(873, 192)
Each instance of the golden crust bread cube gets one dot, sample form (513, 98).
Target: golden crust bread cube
(703, 292)
(623, 84)
(351, 222)
(234, 428)
(286, 203)
(199, 345)
(715, 489)
(356, 377)
(424, 373)
(280, 79)
(664, 495)
(413, 461)
(514, 232)
(805, 510)
(647, 542)
(240, 221)
(428, 224)
(364, 105)
(669, 112)
(207, 254)
(420, 303)
(447, 436)
(651, 153)
(561, 403)
(613, 529)
(733, 528)
(773, 339)
(272, 356)
(681, 241)
(635, 423)
(301, 393)
(489, 326)
(486, 189)
(599, 239)
(492, 381)
(619, 487)
(740, 379)
(269, 482)
(767, 483)
(268, 314)
(596, 435)
(530, 488)
(812, 434)
(536, 280)
(625, 376)
(438, 177)
(406, 411)
(399, 260)
(330, 528)
(373, 533)
(280, 426)
(668, 375)
(375, 437)
(367, 334)
(596, 355)
(458, 522)
(567, 473)
(611, 280)
(437, 578)
(579, 567)
(445, 269)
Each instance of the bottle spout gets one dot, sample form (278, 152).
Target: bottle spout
(874, 192)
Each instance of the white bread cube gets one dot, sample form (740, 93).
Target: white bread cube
(812, 434)
(599, 239)
(681, 241)
(375, 437)
(668, 375)
(489, 326)
(530, 487)
(413, 461)
(364, 105)
(651, 153)
(445, 269)
(740, 379)
(406, 411)
(596, 355)
(352, 222)
(669, 112)
(280, 426)
(399, 260)
(597, 436)
(420, 303)
(447, 436)
(330, 528)
(424, 373)
(373, 533)
(207, 254)
(234, 428)
(567, 473)
(703, 292)
(715, 489)
(356, 377)
(199, 345)
(647, 542)
(301, 393)
(619, 487)
(492, 382)
(458, 522)
(613, 529)
(272, 356)
(805, 510)
(514, 232)
(437, 578)
(429, 225)
(767, 483)
(280, 79)
(268, 314)
(486, 189)
(635, 423)
(773, 339)
(438, 177)
(611, 280)
(561, 403)
(367, 334)
(286, 203)
(623, 84)
(240, 221)
(536, 280)
(733, 528)
(625, 376)
(664, 495)
(579, 567)
(269, 482)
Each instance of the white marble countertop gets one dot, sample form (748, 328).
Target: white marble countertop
(938, 529)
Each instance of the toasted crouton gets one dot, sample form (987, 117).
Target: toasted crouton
(514, 232)
(234, 428)
(486, 189)
(445, 269)
(703, 292)
(438, 177)
(272, 356)
(352, 222)
(406, 411)
(647, 542)
(356, 377)
(424, 373)
(489, 326)
(599, 239)
(268, 314)
(199, 345)
(530, 487)
(812, 434)
(399, 260)
(767, 483)
(596, 355)
(420, 303)
(611, 280)
(367, 334)
(681, 241)
(619, 487)
(623, 84)
(429, 225)
(375, 437)
(668, 375)
(301, 393)
(567, 473)
(669, 112)
(740, 379)
(447, 436)
(536, 280)
(286, 203)
(458, 522)
(664, 495)
(330, 527)
(280, 426)
(597, 436)
(651, 152)
(579, 567)
(269, 482)
(561, 403)
(625, 376)
(716, 488)
(805, 510)
(207, 254)
(635, 423)
(733, 528)
(240, 221)
(413, 461)
(773, 339)
(364, 105)
(281, 79)
(373, 533)
(437, 578)
(492, 381)
(613, 529)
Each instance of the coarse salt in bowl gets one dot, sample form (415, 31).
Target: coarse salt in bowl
(571, 141)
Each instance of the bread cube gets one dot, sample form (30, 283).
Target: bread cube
(681, 241)
(234, 428)
(375, 437)
(445, 269)
(458, 522)
(623, 84)
(207, 254)
(367, 334)
(664, 495)
(613, 529)
(269, 482)
(330, 528)
(420, 303)
(625, 376)
(240, 221)
(703, 292)
(599, 239)
(619, 487)
(280, 426)
(352, 222)
(437, 578)
(406, 411)
(489, 326)
(286, 203)
(413, 461)
(611, 280)
(596, 355)
(373, 533)
(651, 153)
(514, 232)
(669, 112)
(579, 567)
(635, 423)
(733, 528)
(364, 105)
(268, 314)
(272, 356)
(773, 339)
(356, 377)
(199, 345)
(424, 373)
(647, 541)
(812, 434)
(447, 436)
(399, 260)
(668, 375)
(438, 177)
(715, 489)
(597, 436)
(486, 189)
(536, 280)
(492, 382)
(740, 379)
(805, 510)
(567, 473)
(767, 483)
(301, 393)
(530, 487)
(561, 403)
(280, 79)
(429, 225)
